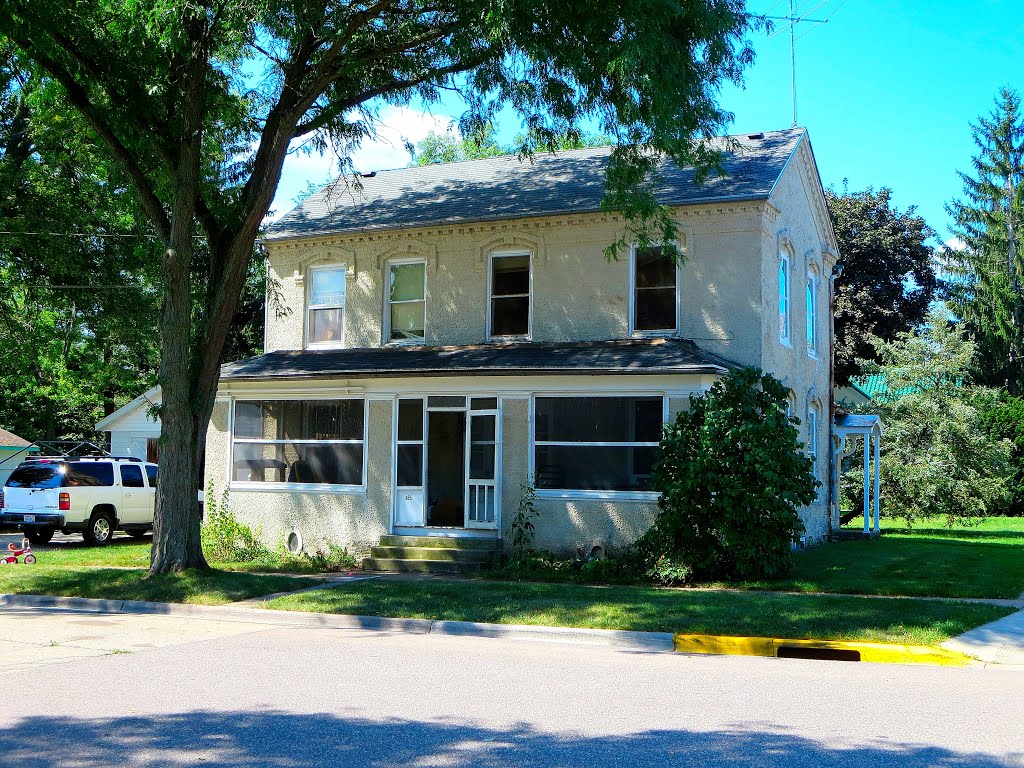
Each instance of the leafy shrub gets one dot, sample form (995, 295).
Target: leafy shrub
(226, 539)
(333, 559)
(522, 531)
(732, 476)
(544, 566)
(1003, 419)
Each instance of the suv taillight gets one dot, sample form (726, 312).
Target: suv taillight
(64, 502)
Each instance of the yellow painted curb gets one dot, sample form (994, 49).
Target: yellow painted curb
(883, 653)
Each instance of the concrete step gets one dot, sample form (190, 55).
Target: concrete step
(448, 554)
(440, 542)
(418, 566)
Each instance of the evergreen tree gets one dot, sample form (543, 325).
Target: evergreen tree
(888, 279)
(986, 277)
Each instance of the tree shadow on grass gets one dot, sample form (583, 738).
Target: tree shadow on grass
(234, 739)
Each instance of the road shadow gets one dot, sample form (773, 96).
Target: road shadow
(270, 738)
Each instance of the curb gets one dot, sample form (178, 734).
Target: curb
(833, 650)
(645, 642)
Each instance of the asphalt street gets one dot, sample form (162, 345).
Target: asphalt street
(165, 691)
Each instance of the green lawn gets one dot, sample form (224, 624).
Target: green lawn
(927, 560)
(204, 588)
(651, 609)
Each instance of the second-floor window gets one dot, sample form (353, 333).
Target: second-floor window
(407, 296)
(655, 288)
(784, 302)
(510, 295)
(812, 314)
(325, 308)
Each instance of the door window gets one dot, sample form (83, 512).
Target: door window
(131, 476)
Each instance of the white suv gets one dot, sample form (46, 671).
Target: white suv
(95, 495)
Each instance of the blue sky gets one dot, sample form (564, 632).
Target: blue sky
(887, 89)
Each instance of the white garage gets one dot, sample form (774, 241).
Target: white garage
(134, 430)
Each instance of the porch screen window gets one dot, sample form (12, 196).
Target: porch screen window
(596, 443)
(298, 441)
(407, 301)
(410, 443)
(510, 295)
(325, 321)
(654, 289)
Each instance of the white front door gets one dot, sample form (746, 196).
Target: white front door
(410, 509)
(481, 470)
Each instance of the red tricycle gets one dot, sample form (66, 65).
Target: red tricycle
(24, 552)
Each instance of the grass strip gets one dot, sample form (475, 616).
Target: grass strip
(917, 622)
(195, 587)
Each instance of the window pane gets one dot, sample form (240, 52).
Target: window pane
(410, 419)
(90, 473)
(328, 287)
(511, 275)
(481, 461)
(410, 466)
(599, 419)
(327, 464)
(153, 474)
(656, 309)
(446, 401)
(131, 476)
(591, 468)
(407, 321)
(407, 281)
(811, 312)
(483, 403)
(326, 325)
(37, 476)
(300, 420)
(510, 317)
(482, 429)
(655, 268)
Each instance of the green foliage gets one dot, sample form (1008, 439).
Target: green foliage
(450, 147)
(986, 276)
(888, 281)
(521, 531)
(332, 559)
(622, 568)
(937, 456)
(732, 476)
(225, 538)
(1003, 417)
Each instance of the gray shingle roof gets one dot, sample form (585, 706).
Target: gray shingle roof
(634, 356)
(505, 188)
(11, 440)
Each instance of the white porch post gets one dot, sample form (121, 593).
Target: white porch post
(878, 472)
(867, 481)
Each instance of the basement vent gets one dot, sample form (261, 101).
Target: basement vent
(294, 542)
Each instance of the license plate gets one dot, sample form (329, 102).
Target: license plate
(30, 518)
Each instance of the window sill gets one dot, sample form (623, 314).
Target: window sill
(322, 488)
(508, 339)
(662, 334)
(787, 343)
(598, 495)
(406, 343)
(339, 345)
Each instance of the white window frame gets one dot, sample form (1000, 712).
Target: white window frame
(812, 313)
(813, 418)
(490, 287)
(581, 494)
(632, 296)
(324, 488)
(387, 340)
(309, 279)
(785, 317)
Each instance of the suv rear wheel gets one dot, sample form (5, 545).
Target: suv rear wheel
(40, 535)
(99, 530)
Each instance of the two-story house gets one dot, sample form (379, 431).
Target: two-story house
(439, 336)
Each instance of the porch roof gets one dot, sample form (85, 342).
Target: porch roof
(631, 356)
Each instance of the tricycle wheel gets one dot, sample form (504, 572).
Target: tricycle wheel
(30, 559)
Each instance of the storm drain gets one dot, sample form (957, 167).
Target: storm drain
(819, 654)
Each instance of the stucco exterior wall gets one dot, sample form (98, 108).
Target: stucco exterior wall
(577, 293)
(798, 222)
(355, 521)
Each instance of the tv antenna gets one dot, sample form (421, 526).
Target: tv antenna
(794, 18)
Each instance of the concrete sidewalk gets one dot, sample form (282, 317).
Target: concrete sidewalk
(999, 642)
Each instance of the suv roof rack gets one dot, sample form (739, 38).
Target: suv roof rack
(47, 459)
